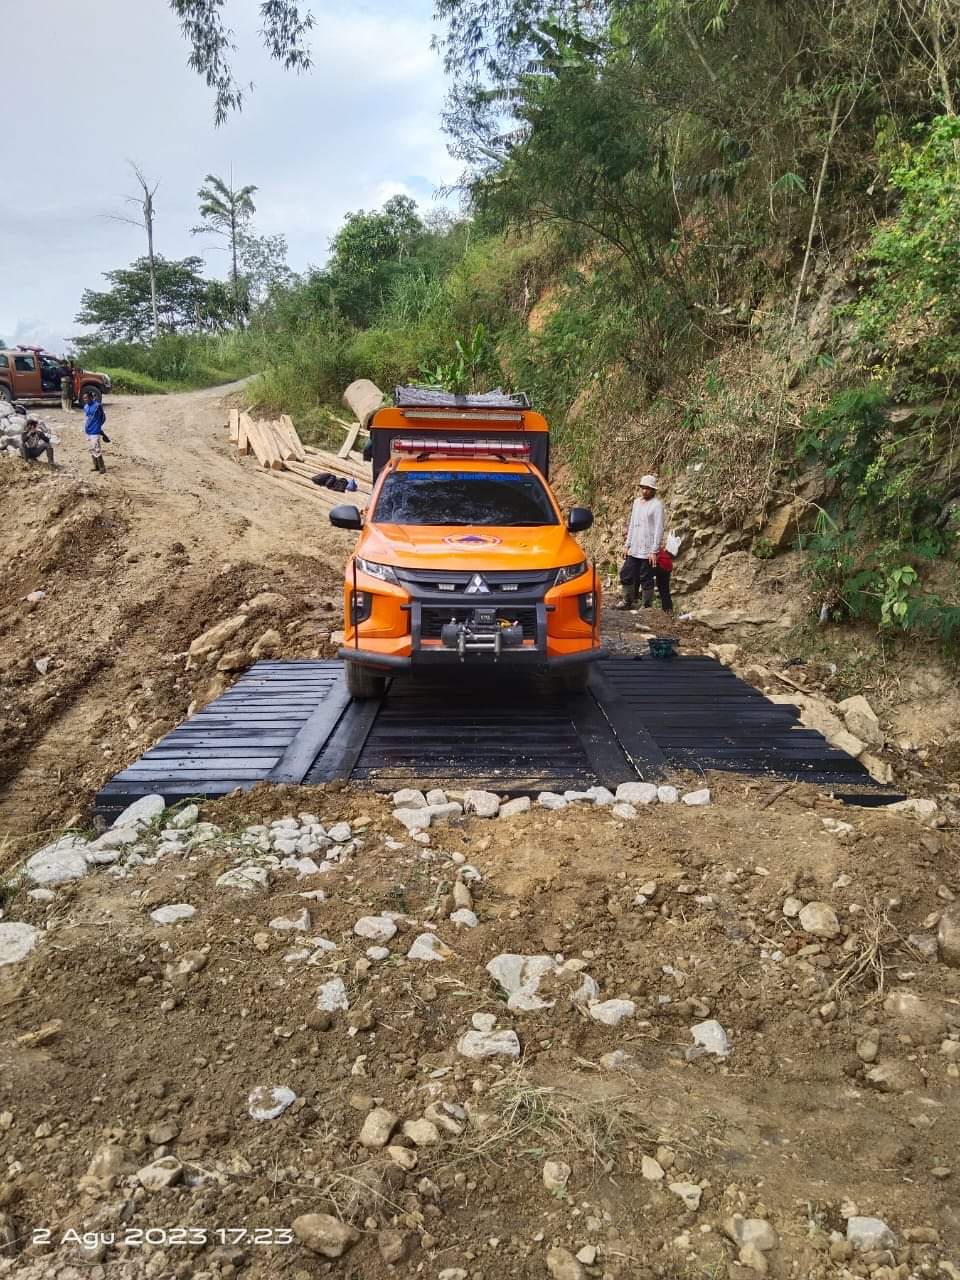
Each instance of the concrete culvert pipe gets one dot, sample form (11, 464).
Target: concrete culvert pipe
(363, 398)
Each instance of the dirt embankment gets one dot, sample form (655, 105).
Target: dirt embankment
(133, 566)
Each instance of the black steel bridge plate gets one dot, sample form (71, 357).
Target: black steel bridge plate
(295, 722)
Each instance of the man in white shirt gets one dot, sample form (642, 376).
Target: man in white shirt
(644, 540)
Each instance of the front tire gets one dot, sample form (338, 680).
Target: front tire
(573, 679)
(6, 394)
(91, 386)
(364, 683)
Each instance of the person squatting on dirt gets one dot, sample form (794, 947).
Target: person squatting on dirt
(647, 565)
(95, 419)
(35, 441)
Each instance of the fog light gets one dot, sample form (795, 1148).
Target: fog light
(587, 604)
(361, 606)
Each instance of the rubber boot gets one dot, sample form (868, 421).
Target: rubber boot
(101, 466)
(96, 464)
(648, 599)
(629, 600)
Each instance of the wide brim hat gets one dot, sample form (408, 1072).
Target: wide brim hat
(649, 482)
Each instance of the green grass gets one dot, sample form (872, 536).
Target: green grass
(129, 382)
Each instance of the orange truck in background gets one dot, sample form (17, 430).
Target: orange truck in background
(32, 374)
(464, 555)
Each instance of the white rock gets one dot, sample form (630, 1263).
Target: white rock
(410, 798)
(792, 908)
(485, 804)
(332, 996)
(436, 796)
(712, 1038)
(510, 808)
(442, 812)
(47, 895)
(267, 1101)
(59, 862)
(377, 1127)
(948, 937)
(17, 940)
(637, 793)
(340, 832)
(820, 920)
(162, 1173)
(418, 819)
(612, 1012)
(488, 1044)
(626, 812)
(601, 795)
(651, 1169)
(427, 946)
(756, 1233)
(484, 1021)
(378, 953)
(375, 928)
(173, 914)
(115, 838)
(422, 1133)
(520, 977)
(465, 918)
(142, 812)
(298, 922)
(186, 817)
(700, 797)
(668, 795)
(248, 877)
(556, 1175)
(915, 805)
(870, 1233)
(550, 800)
(688, 1192)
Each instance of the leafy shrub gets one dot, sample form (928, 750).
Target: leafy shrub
(129, 382)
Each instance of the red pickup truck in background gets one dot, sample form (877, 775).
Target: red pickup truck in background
(32, 374)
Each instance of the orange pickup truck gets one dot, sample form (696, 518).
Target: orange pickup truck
(464, 555)
(30, 373)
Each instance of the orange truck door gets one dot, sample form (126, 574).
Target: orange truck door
(26, 376)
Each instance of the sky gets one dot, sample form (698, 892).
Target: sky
(112, 85)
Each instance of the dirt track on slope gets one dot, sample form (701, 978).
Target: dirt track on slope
(134, 565)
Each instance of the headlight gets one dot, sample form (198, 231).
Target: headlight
(569, 572)
(381, 571)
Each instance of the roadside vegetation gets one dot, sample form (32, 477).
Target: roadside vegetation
(722, 237)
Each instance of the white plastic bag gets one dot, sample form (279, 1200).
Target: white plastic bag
(672, 545)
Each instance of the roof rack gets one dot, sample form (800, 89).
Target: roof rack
(436, 398)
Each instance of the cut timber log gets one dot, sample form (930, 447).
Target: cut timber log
(290, 432)
(339, 466)
(262, 443)
(243, 439)
(364, 398)
(351, 440)
(277, 443)
(234, 425)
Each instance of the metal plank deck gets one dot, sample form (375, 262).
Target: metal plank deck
(294, 721)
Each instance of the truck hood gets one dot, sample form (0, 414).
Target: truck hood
(459, 547)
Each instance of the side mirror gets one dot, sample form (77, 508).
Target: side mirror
(346, 517)
(579, 519)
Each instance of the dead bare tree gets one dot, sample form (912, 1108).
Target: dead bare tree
(145, 203)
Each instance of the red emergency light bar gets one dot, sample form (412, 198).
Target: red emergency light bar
(462, 448)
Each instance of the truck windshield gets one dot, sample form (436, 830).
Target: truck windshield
(457, 497)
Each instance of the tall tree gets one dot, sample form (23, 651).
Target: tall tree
(367, 254)
(226, 211)
(186, 302)
(284, 34)
(145, 203)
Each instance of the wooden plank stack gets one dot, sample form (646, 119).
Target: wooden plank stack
(279, 451)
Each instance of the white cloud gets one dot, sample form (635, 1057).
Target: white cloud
(364, 124)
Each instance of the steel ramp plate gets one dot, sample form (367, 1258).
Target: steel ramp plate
(512, 732)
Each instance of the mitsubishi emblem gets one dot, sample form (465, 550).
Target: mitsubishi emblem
(476, 586)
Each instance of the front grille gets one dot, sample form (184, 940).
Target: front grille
(525, 581)
(433, 620)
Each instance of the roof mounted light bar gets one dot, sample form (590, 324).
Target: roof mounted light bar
(472, 448)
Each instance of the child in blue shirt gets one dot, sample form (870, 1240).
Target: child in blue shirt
(95, 419)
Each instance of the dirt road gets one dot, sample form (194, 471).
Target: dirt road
(134, 565)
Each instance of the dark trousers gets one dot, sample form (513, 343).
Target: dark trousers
(640, 573)
(38, 451)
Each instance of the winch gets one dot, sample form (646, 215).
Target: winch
(484, 632)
